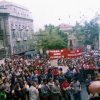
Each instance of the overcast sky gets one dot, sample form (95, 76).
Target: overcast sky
(60, 11)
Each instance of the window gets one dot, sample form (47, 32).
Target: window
(15, 10)
(17, 35)
(13, 34)
(1, 44)
(21, 35)
(2, 6)
(16, 26)
(0, 24)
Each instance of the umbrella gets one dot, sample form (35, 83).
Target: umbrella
(94, 87)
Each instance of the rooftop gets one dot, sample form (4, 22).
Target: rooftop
(12, 4)
(65, 26)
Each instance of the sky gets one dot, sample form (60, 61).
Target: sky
(60, 11)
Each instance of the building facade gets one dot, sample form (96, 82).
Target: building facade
(16, 26)
(68, 30)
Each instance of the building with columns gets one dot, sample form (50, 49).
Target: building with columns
(16, 28)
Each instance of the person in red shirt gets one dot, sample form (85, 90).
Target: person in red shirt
(55, 71)
(65, 90)
(65, 85)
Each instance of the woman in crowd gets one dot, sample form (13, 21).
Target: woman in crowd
(6, 88)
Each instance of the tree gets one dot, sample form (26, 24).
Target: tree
(79, 33)
(51, 38)
(89, 31)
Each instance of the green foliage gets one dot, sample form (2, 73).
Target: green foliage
(78, 29)
(89, 31)
(52, 38)
(2, 95)
(30, 43)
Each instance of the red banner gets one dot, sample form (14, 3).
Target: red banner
(74, 54)
(64, 53)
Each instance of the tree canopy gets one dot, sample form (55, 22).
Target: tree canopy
(51, 38)
(89, 31)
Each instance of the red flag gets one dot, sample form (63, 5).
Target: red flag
(65, 85)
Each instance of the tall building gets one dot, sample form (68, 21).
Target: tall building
(16, 28)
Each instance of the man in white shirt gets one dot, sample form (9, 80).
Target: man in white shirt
(33, 92)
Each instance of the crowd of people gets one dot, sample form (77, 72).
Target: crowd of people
(22, 78)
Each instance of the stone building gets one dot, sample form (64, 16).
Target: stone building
(16, 28)
(72, 40)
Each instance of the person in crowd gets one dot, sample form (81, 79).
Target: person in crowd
(61, 78)
(61, 71)
(33, 92)
(49, 74)
(65, 90)
(6, 88)
(44, 91)
(43, 80)
(18, 92)
(3, 95)
(76, 87)
(88, 81)
(1, 81)
(51, 82)
(56, 91)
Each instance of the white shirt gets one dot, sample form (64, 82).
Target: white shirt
(33, 93)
